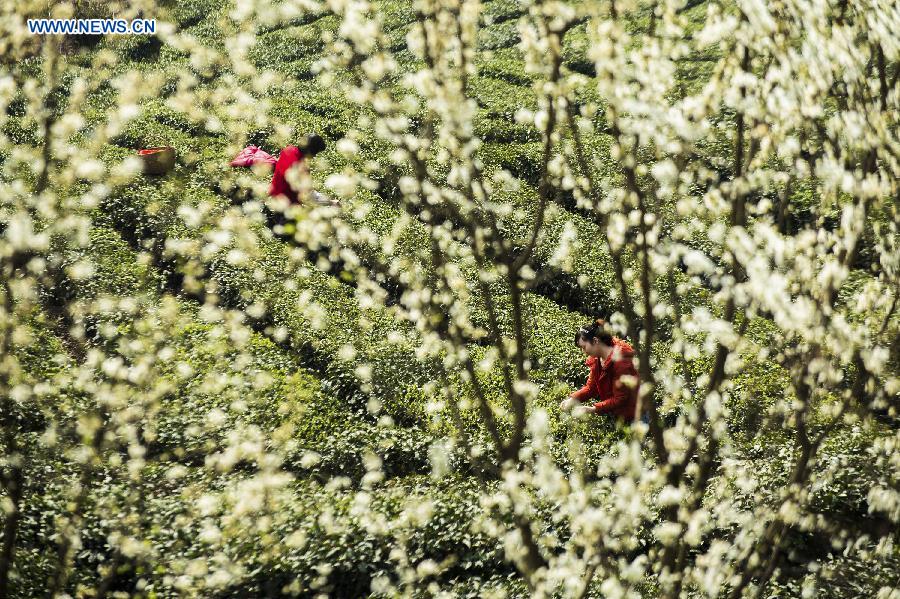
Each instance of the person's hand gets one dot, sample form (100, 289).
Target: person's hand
(567, 404)
(323, 200)
(584, 411)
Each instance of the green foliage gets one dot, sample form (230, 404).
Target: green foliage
(574, 54)
(492, 129)
(290, 44)
(498, 11)
(522, 160)
(504, 64)
(21, 131)
(188, 13)
(501, 35)
(147, 132)
(501, 98)
(395, 15)
(309, 110)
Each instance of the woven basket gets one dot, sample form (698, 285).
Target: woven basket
(158, 161)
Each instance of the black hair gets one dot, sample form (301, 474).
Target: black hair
(313, 145)
(596, 330)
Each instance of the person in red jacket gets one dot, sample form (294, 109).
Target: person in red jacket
(293, 158)
(612, 380)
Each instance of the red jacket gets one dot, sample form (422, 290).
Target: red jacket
(604, 382)
(289, 156)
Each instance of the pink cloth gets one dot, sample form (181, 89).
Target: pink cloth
(252, 155)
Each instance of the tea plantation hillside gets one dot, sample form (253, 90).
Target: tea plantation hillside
(291, 426)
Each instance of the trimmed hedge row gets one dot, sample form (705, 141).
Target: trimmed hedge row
(188, 13)
(584, 281)
(492, 129)
(506, 64)
(574, 52)
(310, 110)
(502, 98)
(395, 15)
(500, 35)
(288, 44)
(499, 11)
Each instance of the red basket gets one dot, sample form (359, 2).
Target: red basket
(158, 161)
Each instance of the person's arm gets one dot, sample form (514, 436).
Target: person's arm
(589, 390)
(585, 393)
(621, 392)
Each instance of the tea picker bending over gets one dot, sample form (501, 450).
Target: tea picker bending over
(612, 379)
(295, 159)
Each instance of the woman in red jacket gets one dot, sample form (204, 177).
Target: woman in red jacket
(613, 379)
(295, 158)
